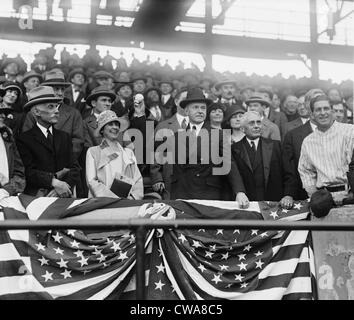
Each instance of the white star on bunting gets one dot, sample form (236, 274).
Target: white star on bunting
(259, 264)
(159, 285)
(196, 244)
(238, 277)
(115, 246)
(71, 232)
(58, 251)
(241, 257)
(201, 267)
(66, 274)
(242, 266)
(78, 253)
(75, 244)
(219, 231)
(209, 254)
(83, 261)
(259, 253)
(47, 276)
(62, 263)
(123, 256)
(297, 206)
(247, 248)
(223, 267)
(225, 256)
(57, 237)
(216, 278)
(274, 214)
(43, 261)
(160, 268)
(40, 246)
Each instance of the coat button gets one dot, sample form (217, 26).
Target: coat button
(197, 174)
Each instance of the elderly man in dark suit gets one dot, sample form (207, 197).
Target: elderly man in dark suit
(260, 164)
(195, 168)
(70, 120)
(47, 154)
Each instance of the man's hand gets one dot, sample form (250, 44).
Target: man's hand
(158, 187)
(62, 173)
(52, 193)
(139, 105)
(242, 200)
(61, 188)
(287, 202)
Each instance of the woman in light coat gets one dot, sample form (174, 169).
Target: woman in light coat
(109, 161)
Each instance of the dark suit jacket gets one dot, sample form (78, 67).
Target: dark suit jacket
(291, 154)
(279, 118)
(70, 121)
(272, 169)
(121, 110)
(197, 180)
(162, 173)
(168, 109)
(293, 124)
(42, 161)
(17, 180)
(79, 103)
(90, 126)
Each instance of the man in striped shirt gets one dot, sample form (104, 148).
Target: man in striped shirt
(327, 152)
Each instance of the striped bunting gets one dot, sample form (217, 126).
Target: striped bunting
(179, 264)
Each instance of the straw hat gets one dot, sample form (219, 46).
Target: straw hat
(257, 99)
(32, 74)
(41, 94)
(55, 78)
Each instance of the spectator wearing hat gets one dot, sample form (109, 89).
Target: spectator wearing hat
(31, 80)
(269, 129)
(260, 163)
(46, 152)
(70, 120)
(110, 164)
(195, 177)
(11, 69)
(11, 94)
(303, 115)
(292, 146)
(153, 110)
(215, 115)
(76, 92)
(123, 105)
(232, 120)
(104, 78)
(327, 152)
(160, 174)
(12, 171)
(167, 101)
(139, 84)
(227, 91)
(246, 93)
(279, 118)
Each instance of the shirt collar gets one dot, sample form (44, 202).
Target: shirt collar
(197, 126)
(256, 141)
(180, 119)
(44, 129)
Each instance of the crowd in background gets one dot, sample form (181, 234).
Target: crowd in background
(100, 98)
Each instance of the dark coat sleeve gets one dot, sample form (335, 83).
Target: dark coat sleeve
(288, 161)
(73, 176)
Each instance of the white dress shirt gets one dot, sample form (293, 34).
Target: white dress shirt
(44, 129)
(197, 127)
(165, 98)
(180, 119)
(325, 157)
(256, 141)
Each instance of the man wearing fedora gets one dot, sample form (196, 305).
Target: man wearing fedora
(11, 69)
(167, 101)
(31, 80)
(46, 152)
(76, 92)
(269, 129)
(196, 177)
(70, 120)
(227, 91)
(139, 83)
(123, 105)
(104, 78)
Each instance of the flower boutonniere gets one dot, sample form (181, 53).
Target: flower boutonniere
(6, 134)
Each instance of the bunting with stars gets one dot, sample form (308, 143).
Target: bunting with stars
(180, 264)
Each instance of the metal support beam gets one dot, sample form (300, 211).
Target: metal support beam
(313, 37)
(208, 57)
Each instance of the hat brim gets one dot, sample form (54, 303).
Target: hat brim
(76, 72)
(34, 102)
(56, 84)
(32, 76)
(124, 124)
(121, 84)
(142, 78)
(93, 96)
(183, 104)
(221, 83)
(17, 88)
(259, 101)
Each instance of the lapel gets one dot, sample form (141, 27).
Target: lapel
(267, 148)
(92, 122)
(244, 155)
(57, 142)
(38, 135)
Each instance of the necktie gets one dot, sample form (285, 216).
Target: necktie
(184, 124)
(50, 137)
(253, 152)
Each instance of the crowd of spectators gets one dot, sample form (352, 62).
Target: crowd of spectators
(66, 122)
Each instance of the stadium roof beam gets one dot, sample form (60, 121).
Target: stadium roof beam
(76, 33)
